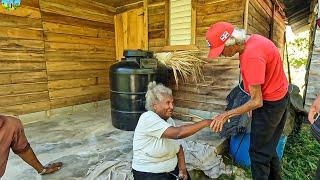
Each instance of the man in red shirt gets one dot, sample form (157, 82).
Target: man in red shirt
(264, 79)
(12, 136)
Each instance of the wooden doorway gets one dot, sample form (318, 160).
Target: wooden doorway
(131, 31)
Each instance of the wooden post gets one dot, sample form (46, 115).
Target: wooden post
(272, 20)
(166, 24)
(311, 45)
(145, 22)
(246, 15)
(193, 21)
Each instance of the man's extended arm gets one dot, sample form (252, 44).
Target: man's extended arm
(255, 102)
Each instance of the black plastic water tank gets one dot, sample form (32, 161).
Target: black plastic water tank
(128, 86)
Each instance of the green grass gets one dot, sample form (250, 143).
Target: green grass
(299, 160)
(300, 156)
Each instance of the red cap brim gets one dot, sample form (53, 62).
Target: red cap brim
(215, 52)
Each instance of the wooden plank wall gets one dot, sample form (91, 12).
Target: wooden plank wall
(23, 79)
(313, 87)
(260, 17)
(313, 76)
(222, 74)
(79, 49)
(55, 53)
(279, 29)
(156, 24)
(126, 6)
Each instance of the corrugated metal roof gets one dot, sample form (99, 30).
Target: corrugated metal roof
(297, 13)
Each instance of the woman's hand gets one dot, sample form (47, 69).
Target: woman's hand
(218, 121)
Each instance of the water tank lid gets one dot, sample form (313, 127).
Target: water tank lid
(129, 67)
(138, 53)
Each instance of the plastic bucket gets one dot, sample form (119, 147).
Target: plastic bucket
(241, 155)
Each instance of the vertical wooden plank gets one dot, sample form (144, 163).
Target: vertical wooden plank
(119, 35)
(272, 21)
(193, 21)
(246, 15)
(132, 31)
(45, 55)
(166, 23)
(116, 37)
(145, 39)
(124, 18)
(140, 28)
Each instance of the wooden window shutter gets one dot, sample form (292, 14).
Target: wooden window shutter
(180, 18)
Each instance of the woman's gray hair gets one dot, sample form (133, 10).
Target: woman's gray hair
(237, 36)
(154, 94)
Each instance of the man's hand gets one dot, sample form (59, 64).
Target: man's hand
(183, 174)
(314, 109)
(51, 168)
(218, 121)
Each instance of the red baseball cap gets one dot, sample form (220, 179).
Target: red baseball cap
(216, 36)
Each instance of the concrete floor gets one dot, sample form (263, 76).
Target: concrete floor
(91, 148)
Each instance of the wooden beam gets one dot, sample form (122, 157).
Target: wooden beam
(22, 88)
(78, 91)
(166, 21)
(272, 21)
(246, 15)
(179, 47)
(75, 21)
(145, 25)
(62, 75)
(23, 98)
(76, 66)
(76, 83)
(25, 108)
(193, 21)
(126, 2)
(129, 7)
(69, 101)
(23, 77)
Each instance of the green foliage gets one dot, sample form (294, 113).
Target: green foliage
(11, 6)
(298, 51)
(300, 156)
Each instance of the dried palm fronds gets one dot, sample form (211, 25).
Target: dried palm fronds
(185, 63)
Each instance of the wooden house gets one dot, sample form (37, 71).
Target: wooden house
(302, 16)
(312, 78)
(56, 53)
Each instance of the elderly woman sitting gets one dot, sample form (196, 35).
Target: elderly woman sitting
(156, 152)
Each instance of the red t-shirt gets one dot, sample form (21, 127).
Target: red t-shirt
(261, 64)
